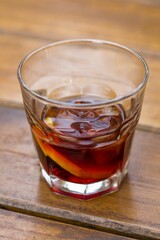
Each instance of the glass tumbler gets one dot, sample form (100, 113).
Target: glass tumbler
(83, 100)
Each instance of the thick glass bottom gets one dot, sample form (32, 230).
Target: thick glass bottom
(85, 191)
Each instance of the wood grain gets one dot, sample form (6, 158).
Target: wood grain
(126, 22)
(18, 226)
(132, 211)
(12, 49)
(26, 25)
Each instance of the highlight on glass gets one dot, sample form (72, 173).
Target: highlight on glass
(83, 100)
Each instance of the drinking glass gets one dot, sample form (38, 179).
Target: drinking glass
(83, 100)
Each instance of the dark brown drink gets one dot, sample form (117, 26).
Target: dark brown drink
(82, 146)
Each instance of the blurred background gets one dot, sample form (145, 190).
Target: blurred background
(29, 24)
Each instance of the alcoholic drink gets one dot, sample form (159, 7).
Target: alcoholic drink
(82, 145)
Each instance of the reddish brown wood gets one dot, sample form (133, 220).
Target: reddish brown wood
(18, 226)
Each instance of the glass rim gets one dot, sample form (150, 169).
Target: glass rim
(84, 40)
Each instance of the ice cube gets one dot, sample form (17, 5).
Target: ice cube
(81, 127)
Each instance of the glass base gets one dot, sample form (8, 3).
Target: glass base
(85, 191)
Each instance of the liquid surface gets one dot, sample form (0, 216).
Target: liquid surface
(83, 123)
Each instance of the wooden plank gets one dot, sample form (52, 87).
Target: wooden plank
(132, 211)
(25, 25)
(18, 226)
(14, 48)
(126, 22)
(144, 2)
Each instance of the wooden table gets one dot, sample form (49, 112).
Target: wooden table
(28, 209)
